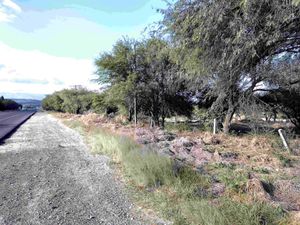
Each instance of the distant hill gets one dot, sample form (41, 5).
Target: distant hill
(22, 96)
(28, 103)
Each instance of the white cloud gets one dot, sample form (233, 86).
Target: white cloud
(39, 73)
(8, 10)
(12, 5)
(4, 16)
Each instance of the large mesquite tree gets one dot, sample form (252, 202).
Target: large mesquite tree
(229, 40)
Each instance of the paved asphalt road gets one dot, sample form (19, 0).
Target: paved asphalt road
(10, 120)
(49, 177)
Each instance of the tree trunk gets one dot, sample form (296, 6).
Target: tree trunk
(130, 114)
(227, 120)
(163, 116)
(163, 122)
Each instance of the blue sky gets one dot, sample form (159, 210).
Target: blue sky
(47, 45)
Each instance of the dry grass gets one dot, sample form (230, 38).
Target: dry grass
(254, 150)
(259, 155)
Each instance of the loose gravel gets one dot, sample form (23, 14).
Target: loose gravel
(47, 176)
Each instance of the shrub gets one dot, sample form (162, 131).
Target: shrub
(7, 104)
(77, 101)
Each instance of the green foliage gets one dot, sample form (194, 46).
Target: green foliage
(53, 103)
(99, 103)
(7, 104)
(149, 169)
(204, 116)
(146, 168)
(242, 214)
(116, 66)
(75, 101)
(143, 73)
(178, 127)
(228, 212)
(226, 42)
(235, 179)
(200, 113)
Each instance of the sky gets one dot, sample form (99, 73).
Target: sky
(49, 45)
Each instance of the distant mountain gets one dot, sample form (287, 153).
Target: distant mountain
(27, 101)
(29, 104)
(22, 96)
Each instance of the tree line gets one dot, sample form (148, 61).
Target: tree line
(221, 55)
(7, 104)
(76, 101)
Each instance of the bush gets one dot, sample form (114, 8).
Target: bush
(76, 101)
(7, 104)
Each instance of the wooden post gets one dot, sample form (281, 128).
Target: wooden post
(135, 111)
(283, 139)
(215, 127)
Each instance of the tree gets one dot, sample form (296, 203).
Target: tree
(52, 103)
(118, 68)
(8, 104)
(77, 101)
(143, 79)
(163, 87)
(229, 40)
(282, 88)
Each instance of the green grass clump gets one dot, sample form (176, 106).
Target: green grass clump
(199, 211)
(252, 214)
(146, 168)
(178, 127)
(229, 212)
(232, 176)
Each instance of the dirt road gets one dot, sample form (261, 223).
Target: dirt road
(47, 176)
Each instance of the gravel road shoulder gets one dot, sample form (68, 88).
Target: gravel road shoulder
(47, 176)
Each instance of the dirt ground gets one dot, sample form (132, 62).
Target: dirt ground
(47, 176)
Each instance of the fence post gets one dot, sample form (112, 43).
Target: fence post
(283, 139)
(135, 111)
(215, 127)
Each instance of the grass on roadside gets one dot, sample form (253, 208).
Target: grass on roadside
(178, 193)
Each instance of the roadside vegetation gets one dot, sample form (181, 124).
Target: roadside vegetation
(176, 191)
(230, 57)
(234, 61)
(7, 104)
(77, 101)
